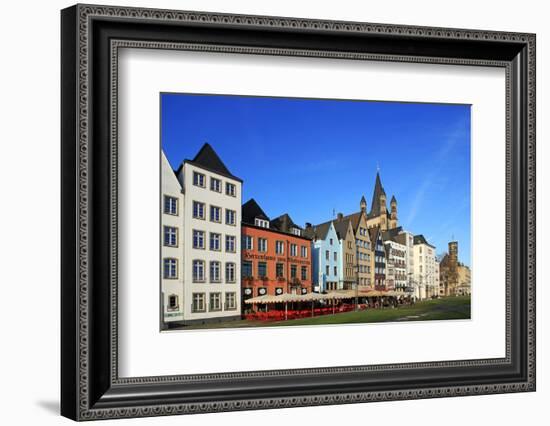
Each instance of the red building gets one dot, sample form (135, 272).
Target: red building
(276, 258)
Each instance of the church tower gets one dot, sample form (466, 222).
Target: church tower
(363, 205)
(393, 214)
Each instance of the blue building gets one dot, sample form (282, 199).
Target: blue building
(325, 250)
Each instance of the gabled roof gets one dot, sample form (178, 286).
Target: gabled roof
(391, 234)
(419, 239)
(354, 218)
(341, 226)
(318, 231)
(378, 191)
(207, 159)
(283, 223)
(373, 234)
(251, 210)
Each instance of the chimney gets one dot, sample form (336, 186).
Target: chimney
(308, 225)
(340, 217)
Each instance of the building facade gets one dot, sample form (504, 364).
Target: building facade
(379, 273)
(424, 268)
(396, 256)
(273, 262)
(406, 239)
(211, 265)
(347, 267)
(364, 256)
(171, 242)
(325, 253)
(455, 277)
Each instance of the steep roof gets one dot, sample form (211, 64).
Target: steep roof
(354, 218)
(341, 227)
(373, 234)
(393, 200)
(252, 210)
(391, 234)
(419, 239)
(318, 231)
(378, 191)
(283, 223)
(207, 159)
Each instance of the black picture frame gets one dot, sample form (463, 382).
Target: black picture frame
(90, 386)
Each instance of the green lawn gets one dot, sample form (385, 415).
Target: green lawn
(438, 309)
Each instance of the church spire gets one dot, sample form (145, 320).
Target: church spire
(378, 194)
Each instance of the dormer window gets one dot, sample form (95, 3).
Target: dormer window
(261, 223)
(296, 231)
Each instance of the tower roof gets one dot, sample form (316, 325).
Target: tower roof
(251, 210)
(363, 199)
(393, 200)
(378, 191)
(209, 160)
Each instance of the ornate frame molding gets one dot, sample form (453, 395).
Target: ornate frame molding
(78, 57)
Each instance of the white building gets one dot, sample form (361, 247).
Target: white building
(425, 269)
(212, 238)
(208, 268)
(397, 260)
(171, 244)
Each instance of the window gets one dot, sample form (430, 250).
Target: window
(279, 270)
(230, 189)
(170, 268)
(215, 185)
(230, 301)
(335, 256)
(293, 271)
(230, 243)
(296, 231)
(262, 269)
(230, 217)
(199, 179)
(198, 239)
(246, 269)
(198, 210)
(279, 247)
(420, 249)
(170, 205)
(215, 241)
(215, 301)
(335, 270)
(327, 270)
(304, 273)
(215, 214)
(215, 272)
(248, 242)
(230, 272)
(173, 302)
(304, 251)
(293, 250)
(261, 223)
(198, 302)
(170, 236)
(331, 241)
(327, 255)
(262, 245)
(198, 271)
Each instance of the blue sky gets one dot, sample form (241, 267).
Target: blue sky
(313, 157)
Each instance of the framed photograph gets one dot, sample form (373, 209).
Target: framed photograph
(263, 212)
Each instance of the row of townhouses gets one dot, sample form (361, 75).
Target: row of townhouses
(217, 252)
